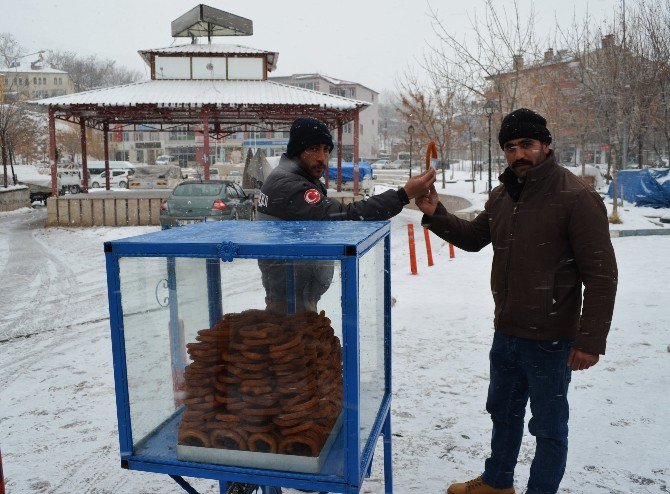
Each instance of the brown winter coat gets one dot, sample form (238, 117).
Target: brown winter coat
(545, 246)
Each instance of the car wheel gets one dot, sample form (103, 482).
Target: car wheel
(95, 185)
(75, 189)
(123, 184)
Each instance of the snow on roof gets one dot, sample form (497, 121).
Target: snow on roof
(203, 92)
(40, 68)
(218, 49)
(329, 79)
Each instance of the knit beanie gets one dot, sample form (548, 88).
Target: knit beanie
(524, 123)
(306, 132)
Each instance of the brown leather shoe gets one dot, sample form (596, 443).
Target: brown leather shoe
(477, 486)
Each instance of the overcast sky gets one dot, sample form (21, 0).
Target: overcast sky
(367, 41)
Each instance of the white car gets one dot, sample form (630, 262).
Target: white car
(167, 160)
(380, 164)
(118, 179)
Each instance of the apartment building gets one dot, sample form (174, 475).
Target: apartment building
(369, 118)
(34, 80)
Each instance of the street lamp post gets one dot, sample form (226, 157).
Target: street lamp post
(489, 108)
(410, 131)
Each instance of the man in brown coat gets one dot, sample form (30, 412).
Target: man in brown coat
(550, 236)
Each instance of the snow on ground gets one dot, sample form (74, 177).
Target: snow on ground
(57, 405)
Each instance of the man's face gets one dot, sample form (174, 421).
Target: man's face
(523, 154)
(314, 160)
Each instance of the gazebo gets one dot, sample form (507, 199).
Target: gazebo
(214, 89)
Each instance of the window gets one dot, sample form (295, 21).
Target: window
(347, 128)
(372, 100)
(126, 136)
(347, 92)
(182, 134)
(55, 80)
(139, 136)
(34, 80)
(308, 85)
(361, 129)
(44, 80)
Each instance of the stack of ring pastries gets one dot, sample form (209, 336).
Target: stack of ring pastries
(265, 382)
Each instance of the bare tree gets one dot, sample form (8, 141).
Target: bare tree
(430, 107)
(502, 40)
(91, 72)
(10, 50)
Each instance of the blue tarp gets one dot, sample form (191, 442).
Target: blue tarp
(647, 187)
(364, 170)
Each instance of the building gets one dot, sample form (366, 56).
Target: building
(369, 118)
(35, 80)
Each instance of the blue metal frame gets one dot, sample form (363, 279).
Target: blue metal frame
(340, 241)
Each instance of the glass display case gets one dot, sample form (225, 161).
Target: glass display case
(255, 352)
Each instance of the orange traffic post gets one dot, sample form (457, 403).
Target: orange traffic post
(412, 249)
(452, 254)
(431, 152)
(2, 478)
(429, 251)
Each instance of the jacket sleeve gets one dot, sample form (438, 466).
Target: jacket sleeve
(594, 255)
(379, 207)
(471, 236)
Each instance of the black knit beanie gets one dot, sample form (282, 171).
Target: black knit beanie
(306, 132)
(524, 123)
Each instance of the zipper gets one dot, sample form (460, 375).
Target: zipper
(509, 256)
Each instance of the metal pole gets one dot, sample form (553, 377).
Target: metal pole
(52, 151)
(205, 133)
(339, 155)
(356, 150)
(105, 142)
(489, 186)
(84, 162)
(410, 155)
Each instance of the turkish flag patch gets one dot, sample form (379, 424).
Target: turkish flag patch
(312, 196)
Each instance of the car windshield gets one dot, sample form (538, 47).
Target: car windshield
(198, 190)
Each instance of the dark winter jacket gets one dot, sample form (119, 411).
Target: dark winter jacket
(546, 244)
(289, 193)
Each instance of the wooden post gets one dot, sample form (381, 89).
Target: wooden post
(452, 254)
(339, 155)
(357, 128)
(84, 164)
(412, 249)
(52, 151)
(105, 141)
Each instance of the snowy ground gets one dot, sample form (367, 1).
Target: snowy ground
(57, 407)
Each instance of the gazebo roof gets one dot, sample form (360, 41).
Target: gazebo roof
(182, 101)
(214, 49)
(197, 93)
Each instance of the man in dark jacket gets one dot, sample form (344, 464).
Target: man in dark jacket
(550, 236)
(293, 191)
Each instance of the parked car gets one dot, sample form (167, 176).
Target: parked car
(381, 164)
(167, 160)
(206, 200)
(117, 179)
(69, 180)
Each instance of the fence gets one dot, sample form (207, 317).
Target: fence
(127, 209)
